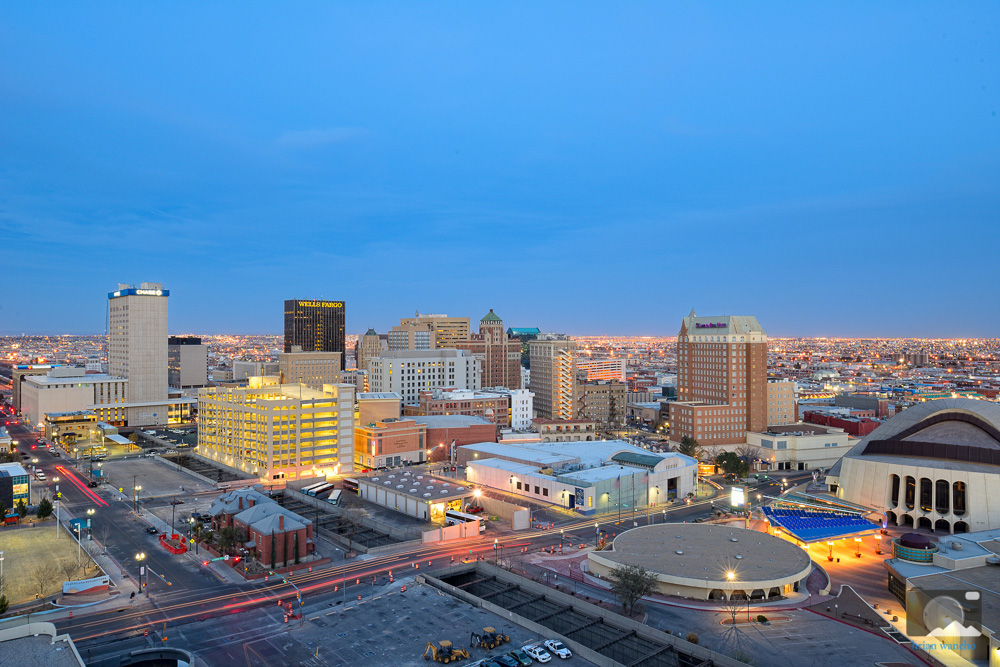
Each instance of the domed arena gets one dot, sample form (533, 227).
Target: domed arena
(934, 466)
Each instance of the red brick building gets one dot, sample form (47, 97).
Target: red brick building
(275, 536)
(856, 426)
(492, 407)
(442, 430)
(499, 354)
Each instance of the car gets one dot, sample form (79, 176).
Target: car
(176, 501)
(521, 657)
(151, 530)
(94, 484)
(537, 652)
(558, 648)
(170, 451)
(506, 661)
(55, 454)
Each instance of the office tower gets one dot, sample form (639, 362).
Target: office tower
(602, 401)
(601, 369)
(277, 431)
(137, 351)
(370, 345)
(313, 369)
(408, 372)
(187, 362)
(553, 376)
(525, 335)
(499, 355)
(315, 326)
(447, 330)
(413, 336)
(721, 380)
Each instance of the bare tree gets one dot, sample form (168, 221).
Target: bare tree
(735, 602)
(93, 550)
(748, 453)
(68, 568)
(105, 534)
(43, 573)
(711, 452)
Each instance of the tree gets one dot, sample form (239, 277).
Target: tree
(689, 447)
(229, 537)
(93, 550)
(3, 510)
(692, 638)
(629, 583)
(68, 568)
(4, 604)
(22, 508)
(104, 532)
(732, 464)
(748, 453)
(44, 509)
(42, 574)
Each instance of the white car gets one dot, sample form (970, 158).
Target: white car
(558, 648)
(537, 653)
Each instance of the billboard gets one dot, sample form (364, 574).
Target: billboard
(738, 496)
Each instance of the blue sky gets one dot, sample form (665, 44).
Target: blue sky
(581, 167)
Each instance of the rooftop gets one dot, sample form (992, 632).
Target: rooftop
(706, 552)
(379, 395)
(450, 421)
(420, 487)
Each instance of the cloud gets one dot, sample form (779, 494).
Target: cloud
(317, 138)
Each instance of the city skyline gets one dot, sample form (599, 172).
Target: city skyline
(802, 164)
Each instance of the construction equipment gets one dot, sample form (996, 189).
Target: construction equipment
(489, 639)
(444, 652)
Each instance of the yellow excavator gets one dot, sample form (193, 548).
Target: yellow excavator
(489, 639)
(444, 652)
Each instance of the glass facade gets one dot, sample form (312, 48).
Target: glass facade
(316, 326)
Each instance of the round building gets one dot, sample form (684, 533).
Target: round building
(708, 561)
(935, 465)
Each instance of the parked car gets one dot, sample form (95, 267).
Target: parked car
(506, 661)
(558, 648)
(151, 530)
(537, 652)
(94, 484)
(176, 501)
(521, 657)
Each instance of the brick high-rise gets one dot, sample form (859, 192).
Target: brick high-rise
(721, 380)
(499, 354)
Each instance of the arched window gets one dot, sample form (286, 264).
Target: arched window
(926, 492)
(958, 500)
(911, 492)
(894, 490)
(941, 494)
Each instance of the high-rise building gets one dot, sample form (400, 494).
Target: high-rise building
(277, 431)
(447, 330)
(408, 372)
(315, 326)
(721, 380)
(137, 351)
(781, 408)
(602, 401)
(413, 336)
(601, 369)
(370, 345)
(187, 362)
(553, 376)
(313, 369)
(499, 354)
(525, 335)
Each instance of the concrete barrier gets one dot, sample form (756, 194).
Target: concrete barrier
(519, 517)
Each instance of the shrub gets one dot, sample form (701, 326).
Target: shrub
(761, 618)
(692, 638)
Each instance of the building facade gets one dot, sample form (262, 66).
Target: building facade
(499, 355)
(408, 372)
(249, 369)
(313, 369)
(602, 401)
(491, 406)
(601, 369)
(278, 431)
(447, 330)
(565, 430)
(800, 446)
(781, 408)
(447, 433)
(187, 362)
(412, 336)
(721, 380)
(371, 344)
(389, 442)
(137, 350)
(315, 326)
(553, 376)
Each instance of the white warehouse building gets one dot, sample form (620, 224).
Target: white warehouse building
(588, 477)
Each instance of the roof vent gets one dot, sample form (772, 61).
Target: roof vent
(738, 557)
(387, 483)
(375, 479)
(392, 477)
(412, 491)
(399, 486)
(957, 546)
(444, 493)
(734, 539)
(679, 552)
(427, 495)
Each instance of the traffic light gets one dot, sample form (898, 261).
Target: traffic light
(298, 595)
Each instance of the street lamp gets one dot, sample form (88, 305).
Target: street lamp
(140, 557)
(496, 553)
(562, 538)
(135, 499)
(857, 547)
(829, 543)
(878, 544)
(90, 513)
(55, 480)
(597, 533)
(1, 574)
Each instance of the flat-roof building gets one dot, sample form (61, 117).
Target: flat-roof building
(315, 326)
(187, 362)
(592, 477)
(408, 372)
(313, 369)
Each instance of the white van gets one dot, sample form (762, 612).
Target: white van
(40, 475)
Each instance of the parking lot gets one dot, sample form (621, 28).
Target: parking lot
(156, 479)
(391, 629)
(337, 524)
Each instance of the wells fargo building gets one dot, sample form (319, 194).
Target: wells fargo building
(316, 326)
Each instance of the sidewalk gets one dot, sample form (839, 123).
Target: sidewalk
(221, 570)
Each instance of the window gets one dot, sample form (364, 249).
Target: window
(545, 492)
(518, 486)
(536, 490)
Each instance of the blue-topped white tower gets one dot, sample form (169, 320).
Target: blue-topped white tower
(137, 349)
